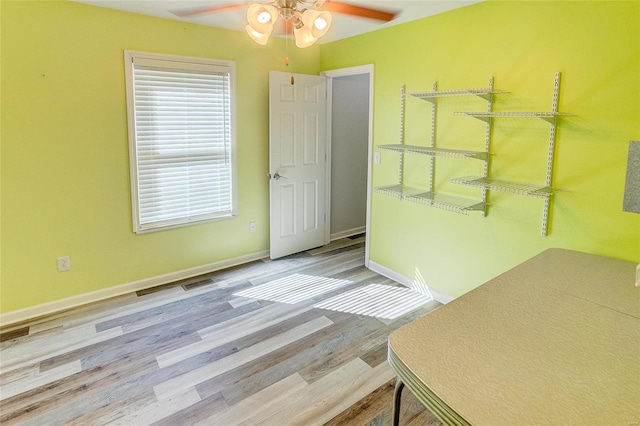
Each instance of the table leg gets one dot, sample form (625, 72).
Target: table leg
(397, 394)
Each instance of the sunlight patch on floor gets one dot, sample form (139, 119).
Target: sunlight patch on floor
(293, 289)
(376, 300)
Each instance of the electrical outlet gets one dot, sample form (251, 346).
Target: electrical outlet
(64, 264)
(252, 227)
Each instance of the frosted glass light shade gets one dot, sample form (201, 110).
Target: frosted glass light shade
(258, 37)
(261, 17)
(317, 21)
(304, 38)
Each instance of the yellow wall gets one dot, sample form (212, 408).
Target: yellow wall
(65, 164)
(65, 167)
(596, 47)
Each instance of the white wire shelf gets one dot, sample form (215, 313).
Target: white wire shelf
(441, 152)
(486, 116)
(483, 92)
(398, 191)
(506, 186)
(448, 202)
(441, 201)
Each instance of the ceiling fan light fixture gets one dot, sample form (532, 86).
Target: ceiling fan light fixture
(261, 17)
(313, 15)
(317, 21)
(258, 37)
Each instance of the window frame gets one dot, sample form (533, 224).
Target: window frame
(229, 66)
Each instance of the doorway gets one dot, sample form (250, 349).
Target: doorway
(350, 104)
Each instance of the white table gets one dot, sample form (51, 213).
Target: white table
(555, 340)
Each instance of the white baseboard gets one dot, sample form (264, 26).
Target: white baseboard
(408, 282)
(21, 315)
(348, 233)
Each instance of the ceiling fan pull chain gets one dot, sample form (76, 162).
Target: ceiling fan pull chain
(293, 80)
(286, 44)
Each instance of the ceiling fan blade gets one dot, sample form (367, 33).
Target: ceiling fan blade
(209, 9)
(363, 12)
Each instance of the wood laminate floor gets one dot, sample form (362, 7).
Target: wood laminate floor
(202, 352)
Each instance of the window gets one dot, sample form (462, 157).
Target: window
(181, 139)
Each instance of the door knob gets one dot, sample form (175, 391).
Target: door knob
(277, 176)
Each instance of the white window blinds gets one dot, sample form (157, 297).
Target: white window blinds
(182, 161)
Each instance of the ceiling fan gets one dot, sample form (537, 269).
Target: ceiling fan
(309, 19)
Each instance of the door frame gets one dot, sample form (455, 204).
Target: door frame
(331, 74)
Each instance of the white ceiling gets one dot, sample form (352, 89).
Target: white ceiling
(342, 27)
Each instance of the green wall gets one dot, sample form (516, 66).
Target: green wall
(65, 167)
(596, 47)
(65, 163)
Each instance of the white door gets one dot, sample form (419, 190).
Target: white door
(297, 162)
